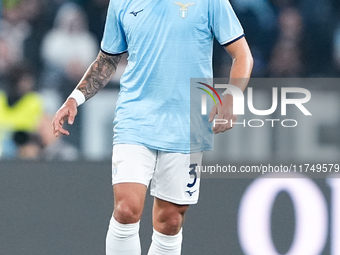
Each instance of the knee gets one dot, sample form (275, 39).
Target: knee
(127, 213)
(170, 221)
(173, 224)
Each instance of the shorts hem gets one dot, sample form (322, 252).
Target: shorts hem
(173, 200)
(130, 181)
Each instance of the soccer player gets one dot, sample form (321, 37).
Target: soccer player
(167, 43)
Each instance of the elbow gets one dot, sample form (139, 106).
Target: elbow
(250, 61)
(245, 62)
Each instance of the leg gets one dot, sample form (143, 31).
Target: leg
(123, 234)
(129, 201)
(168, 217)
(175, 185)
(167, 220)
(132, 169)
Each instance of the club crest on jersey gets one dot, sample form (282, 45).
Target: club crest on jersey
(183, 11)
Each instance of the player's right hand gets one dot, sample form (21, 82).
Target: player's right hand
(67, 111)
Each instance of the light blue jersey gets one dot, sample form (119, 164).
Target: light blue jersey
(168, 43)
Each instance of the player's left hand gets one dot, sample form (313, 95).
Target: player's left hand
(224, 112)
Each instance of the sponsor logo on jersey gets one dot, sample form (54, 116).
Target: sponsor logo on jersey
(136, 13)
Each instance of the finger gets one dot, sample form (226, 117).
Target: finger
(227, 126)
(58, 122)
(59, 128)
(220, 116)
(55, 125)
(215, 128)
(230, 124)
(221, 128)
(72, 115)
(228, 117)
(61, 121)
(62, 131)
(212, 114)
(224, 126)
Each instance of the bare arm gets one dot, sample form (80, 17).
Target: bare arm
(96, 77)
(239, 76)
(99, 74)
(242, 63)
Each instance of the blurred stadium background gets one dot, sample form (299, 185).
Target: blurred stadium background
(55, 194)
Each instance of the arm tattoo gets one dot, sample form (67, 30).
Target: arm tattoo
(99, 74)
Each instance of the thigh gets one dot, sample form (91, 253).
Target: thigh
(132, 164)
(175, 178)
(132, 169)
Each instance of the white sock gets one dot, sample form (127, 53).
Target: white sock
(165, 245)
(122, 239)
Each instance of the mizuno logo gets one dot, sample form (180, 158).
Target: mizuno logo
(191, 192)
(183, 11)
(135, 13)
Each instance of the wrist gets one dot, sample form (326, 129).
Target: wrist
(78, 96)
(227, 92)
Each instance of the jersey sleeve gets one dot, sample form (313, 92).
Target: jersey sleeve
(114, 41)
(224, 23)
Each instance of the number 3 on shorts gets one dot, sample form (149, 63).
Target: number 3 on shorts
(192, 172)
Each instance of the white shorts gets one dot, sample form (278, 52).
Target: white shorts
(173, 175)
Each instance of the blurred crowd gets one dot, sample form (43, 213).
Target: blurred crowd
(46, 46)
(292, 38)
